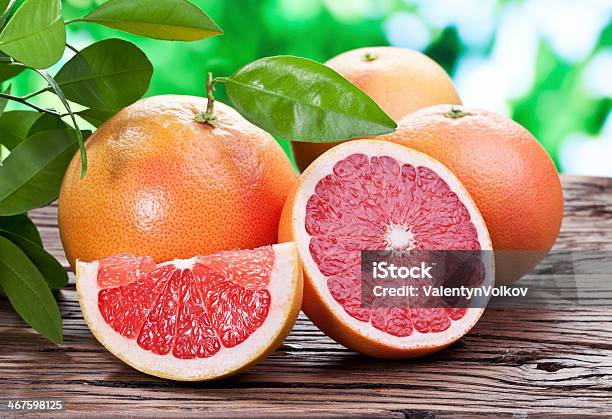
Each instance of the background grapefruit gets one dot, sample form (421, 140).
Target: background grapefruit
(505, 169)
(375, 195)
(399, 80)
(163, 185)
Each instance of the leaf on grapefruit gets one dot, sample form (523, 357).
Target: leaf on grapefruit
(375, 195)
(399, 80)
(192, 319)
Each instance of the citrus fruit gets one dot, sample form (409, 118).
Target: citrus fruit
(161, 184)
(399, 80)
(192, 319)
(504, 168)
(375, 195)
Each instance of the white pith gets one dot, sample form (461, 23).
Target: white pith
(324, 166)
(283, 286)
(399, 237)
(182, 263)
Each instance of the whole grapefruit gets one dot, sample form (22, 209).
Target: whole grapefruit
(161, 184)
(507, 172)
(399, 80)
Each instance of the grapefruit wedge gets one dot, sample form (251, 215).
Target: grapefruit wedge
(375, 195)
(192, 319)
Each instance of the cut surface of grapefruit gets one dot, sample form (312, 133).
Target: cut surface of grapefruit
(375, 195)
(192, 319)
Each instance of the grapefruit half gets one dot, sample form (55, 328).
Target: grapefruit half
(192, 319)
(375, 195)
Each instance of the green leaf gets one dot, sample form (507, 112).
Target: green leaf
(52, 271)
(46, 122)
(60, 94)
(32, 173)
(86, 133)
(4, 153)
(22, 225)
(299, 99)
(107, 75)
(4, 101)
(173, 20)
(28, 292)
(35, 35)
(14, 126)
(95, 117)
(8, 71)
(5, 9)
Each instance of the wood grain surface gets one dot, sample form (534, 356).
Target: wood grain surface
(530, 362)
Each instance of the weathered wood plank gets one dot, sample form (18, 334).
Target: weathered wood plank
(554, 361)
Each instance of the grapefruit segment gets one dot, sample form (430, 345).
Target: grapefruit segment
(192, 319)
(374, 195)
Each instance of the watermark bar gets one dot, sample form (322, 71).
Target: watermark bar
(462, 279)
(31, 405)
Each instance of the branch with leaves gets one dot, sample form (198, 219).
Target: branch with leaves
(36, 145)
(290, 97)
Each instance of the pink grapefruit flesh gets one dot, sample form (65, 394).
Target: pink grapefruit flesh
(195, 319)
(373, 195)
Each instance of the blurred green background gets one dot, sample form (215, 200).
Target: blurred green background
(545, 63)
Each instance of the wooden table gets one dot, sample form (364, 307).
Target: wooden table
(535, 361)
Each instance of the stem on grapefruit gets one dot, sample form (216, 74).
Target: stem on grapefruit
(456, 113)
(208, 116)
(369, 56)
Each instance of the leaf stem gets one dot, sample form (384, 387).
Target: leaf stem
(58, 92)
(68, 22)
(36, 93)
(25, 102)
(18, 64)
(210, 87)
(76, 51)
(209, 117)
